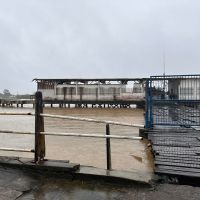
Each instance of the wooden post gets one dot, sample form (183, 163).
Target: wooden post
(108, 148)
(39, 127)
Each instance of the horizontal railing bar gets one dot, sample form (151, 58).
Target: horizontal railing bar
(31, 114)
(17, 132)
(92, 120)
(19, 150)
(92, 135)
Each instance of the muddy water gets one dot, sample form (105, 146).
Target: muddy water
(84, 191)
(126, 155)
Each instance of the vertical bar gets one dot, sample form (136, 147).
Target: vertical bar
(108, 148)
(64, 95)
(76, 90)
(39, 127)
(198, 98)
(98, 89)
(97, 97)
(147, 104)
(150, 102)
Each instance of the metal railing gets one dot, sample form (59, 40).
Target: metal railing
(39, 134)
(173, 101)
(92, 120)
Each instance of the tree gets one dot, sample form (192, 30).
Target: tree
(6, 93)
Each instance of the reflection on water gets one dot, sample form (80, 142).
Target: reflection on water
(126, 154)
(65, 190)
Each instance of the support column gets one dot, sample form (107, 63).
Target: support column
(39, 127)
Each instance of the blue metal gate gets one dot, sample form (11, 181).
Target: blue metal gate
(173, 100)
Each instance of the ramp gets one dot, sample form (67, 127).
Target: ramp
(176, 151)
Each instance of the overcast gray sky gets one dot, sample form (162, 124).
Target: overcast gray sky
(96, 38)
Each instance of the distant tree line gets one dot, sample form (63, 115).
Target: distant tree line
(6, 94)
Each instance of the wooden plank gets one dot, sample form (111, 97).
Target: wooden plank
(165, 152)
(184, 160)
(195, 156)
(180, 138)
(176, 149)
(180, 156)
(50, 165)
(178, 173)
(177, 159)
(175, 134)
(177, 164)
(173, 144)
(163, 136)
(174, 168)
(177, 152)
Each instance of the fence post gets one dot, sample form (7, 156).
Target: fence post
(147, 104)
(108, 149)
(39, 127)
(151, 105)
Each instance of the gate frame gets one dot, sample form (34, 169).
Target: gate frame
(149, 97)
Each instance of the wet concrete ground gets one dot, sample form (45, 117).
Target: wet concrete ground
(24, 185)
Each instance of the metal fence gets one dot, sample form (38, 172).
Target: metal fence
(173, 100)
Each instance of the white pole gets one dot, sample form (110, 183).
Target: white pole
(92, 120)
(92, 135)
(31, 114)
(17, 132)
(19, 150)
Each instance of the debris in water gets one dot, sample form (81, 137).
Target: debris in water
(138, 158)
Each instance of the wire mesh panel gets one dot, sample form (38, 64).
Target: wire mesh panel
(173, 100)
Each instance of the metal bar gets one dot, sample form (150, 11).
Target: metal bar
(92, 135)
(17, 132)
(108, 148)
(92, 120)
(31, 114)
(150, 102)
(19, 150)
(147, 104)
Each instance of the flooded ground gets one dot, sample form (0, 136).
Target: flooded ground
(126, 154)
(61, 189)
(26, 185)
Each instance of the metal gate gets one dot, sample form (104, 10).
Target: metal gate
(173, 100)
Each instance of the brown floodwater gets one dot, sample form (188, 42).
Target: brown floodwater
(126, 154)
